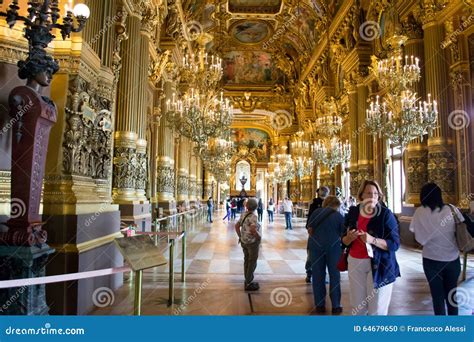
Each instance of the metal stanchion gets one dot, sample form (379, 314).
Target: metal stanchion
(156, 230)
(137, 306)
(183, 257)
(171, 275)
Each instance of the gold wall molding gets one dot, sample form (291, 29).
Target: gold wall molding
(86, 246)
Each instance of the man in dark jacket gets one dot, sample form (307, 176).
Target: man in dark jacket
(321, 193)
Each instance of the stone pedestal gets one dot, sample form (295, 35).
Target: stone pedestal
(18, 263)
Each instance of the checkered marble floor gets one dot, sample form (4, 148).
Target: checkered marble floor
(214, 277)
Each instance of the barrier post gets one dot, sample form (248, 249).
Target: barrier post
(137, 305)
(183, 257)
(171, 274)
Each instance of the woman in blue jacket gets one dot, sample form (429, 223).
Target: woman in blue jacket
(373, 238)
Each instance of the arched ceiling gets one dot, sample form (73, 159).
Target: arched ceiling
(265, 46)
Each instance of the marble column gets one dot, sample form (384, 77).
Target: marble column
(355, 132)
(441, 166)
(141, 117)
(192, 188)
(208, 185)
(165, 164)
(462, 117)
(416, 156)
(130, 153)
(200, 179)
(365, 144)
(183, 170)
(125, 151)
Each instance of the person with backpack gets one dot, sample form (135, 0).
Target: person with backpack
(434, 226)
(325, 228)
(249, 231)
(317, 203)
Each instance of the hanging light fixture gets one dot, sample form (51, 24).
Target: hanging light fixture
(199, 116)
(400, 116)
(332, 153)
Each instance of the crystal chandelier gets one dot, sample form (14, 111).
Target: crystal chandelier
(329, 122)
(199, 116)
(201, 71)
(332, 153)
(217, 149)
(284, 169)
(300, 150)
(401, 116)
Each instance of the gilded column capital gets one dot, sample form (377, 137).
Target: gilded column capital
(157, 68)
(412, 28)
(429, 10)
(151, 18)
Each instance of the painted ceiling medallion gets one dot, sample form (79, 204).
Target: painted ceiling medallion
(255, 6)
(250, 31)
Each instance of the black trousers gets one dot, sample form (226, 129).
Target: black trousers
(443, 277)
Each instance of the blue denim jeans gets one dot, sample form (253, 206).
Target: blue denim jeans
(323, 257)
(288, 220)
(270, 215)
(209, 214)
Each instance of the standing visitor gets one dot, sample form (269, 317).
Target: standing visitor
(233, 208)
(288, 210)
(210, 207)
(372, 237)
(325, 228)
(248, 229)
(434, 225)
(270, 210)
(321, 194)
(260, 210)
(227, 209)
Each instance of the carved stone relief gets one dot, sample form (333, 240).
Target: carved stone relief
(165, 179)
(141, 172)
(125, 164)
(183, 185)
(88, 135)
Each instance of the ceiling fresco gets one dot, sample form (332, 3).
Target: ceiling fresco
(265, 45)
(252, 141)
(250, 67)
(254, 6)
(250, 31)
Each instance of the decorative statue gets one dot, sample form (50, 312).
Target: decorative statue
(33, 116)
